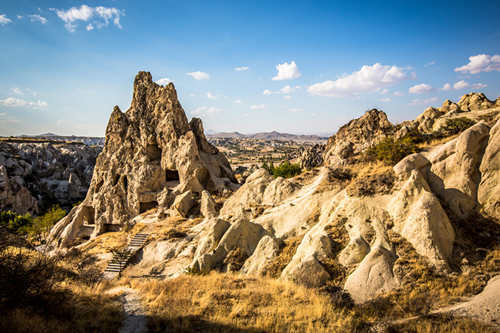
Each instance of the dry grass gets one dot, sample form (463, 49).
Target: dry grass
(436, 142)
(287, 251)
(233, 303)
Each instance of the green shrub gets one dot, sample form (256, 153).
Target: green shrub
(392, 151)
(15, 223)
(41, 225)
(456, 125)
(285, 169)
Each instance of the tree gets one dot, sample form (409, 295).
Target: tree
(40, 228)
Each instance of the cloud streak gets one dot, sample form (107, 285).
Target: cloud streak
(481, 63)
(287, 71)
(98, 17)
(367, 79)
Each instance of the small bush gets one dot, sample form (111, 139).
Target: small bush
(285, 169)
(41, 225)
(456, 125)
(392, 151)
(15, 223)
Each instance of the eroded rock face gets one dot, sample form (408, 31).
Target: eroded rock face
(149, 149)
(311, 157)
(474, 106)
(488, 192)
(34, 176)
(357, 136)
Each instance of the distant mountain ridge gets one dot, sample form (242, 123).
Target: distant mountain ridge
(88, 140)
(274, 135)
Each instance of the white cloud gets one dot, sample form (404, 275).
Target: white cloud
(425, 101)
(398, 93)
(446, 87)
(257, 107)
(37, 18)
(431, 63)
(481, 63)
(199, 75)
(287, 71)
(205, 111)
(4, 19)
(295, 110)
(420, 89)
(479, 86)
(17, 91)
(383, 91)
(241, 68)
(18, 102)
(287, 97)
(367, 79)
(163, 81)
(211, 96)
(19, 17)
(285, 90)
(99, 16)
(385, 99)
(460, 85)
(237, 101)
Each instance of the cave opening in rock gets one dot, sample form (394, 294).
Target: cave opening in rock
(153, 152)
(172, 178)
(88, 215)
(145, 206)
(125, 183)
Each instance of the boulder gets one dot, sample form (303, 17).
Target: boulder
(183, 203)
(266, 250)
(474, 101)
(207, 205)
(488, 192)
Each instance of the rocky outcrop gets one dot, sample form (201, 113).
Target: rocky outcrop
(149, 150)
(488, 192)
(34, 176)
(357, 136)
(311, 157)
(474, 106)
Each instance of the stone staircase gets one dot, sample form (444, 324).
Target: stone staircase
(116, 265)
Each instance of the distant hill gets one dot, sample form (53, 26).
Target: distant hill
(274, 135)
(88, 140)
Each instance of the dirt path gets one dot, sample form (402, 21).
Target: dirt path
(135, 318)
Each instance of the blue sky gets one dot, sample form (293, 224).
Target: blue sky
(304, 67)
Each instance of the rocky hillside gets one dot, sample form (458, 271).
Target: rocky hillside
(37, 174)
(424, 231)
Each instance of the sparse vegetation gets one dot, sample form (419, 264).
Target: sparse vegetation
(456, 125)
(392, 151)
(285, 169)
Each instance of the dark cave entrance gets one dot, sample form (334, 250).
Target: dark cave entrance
(172, 178)
(88, 215)
(145, 206)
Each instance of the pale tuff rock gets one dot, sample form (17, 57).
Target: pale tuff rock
(474, 101)
(454, 175)
(277, 191)
(311, 157)
(35, 175)
(183, 203)
(427, 118)
(488, 192)
(474, 106)
(357, 136)
(207, 205)
(374, 276)
(245, 202)
(242, 235)
(266, 250)
(149, 149)
(306, 267)
(419, 217)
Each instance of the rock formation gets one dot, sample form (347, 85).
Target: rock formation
(151, 155)
(474, 106)
(311, 157)
(357, 136)
(34, 176)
